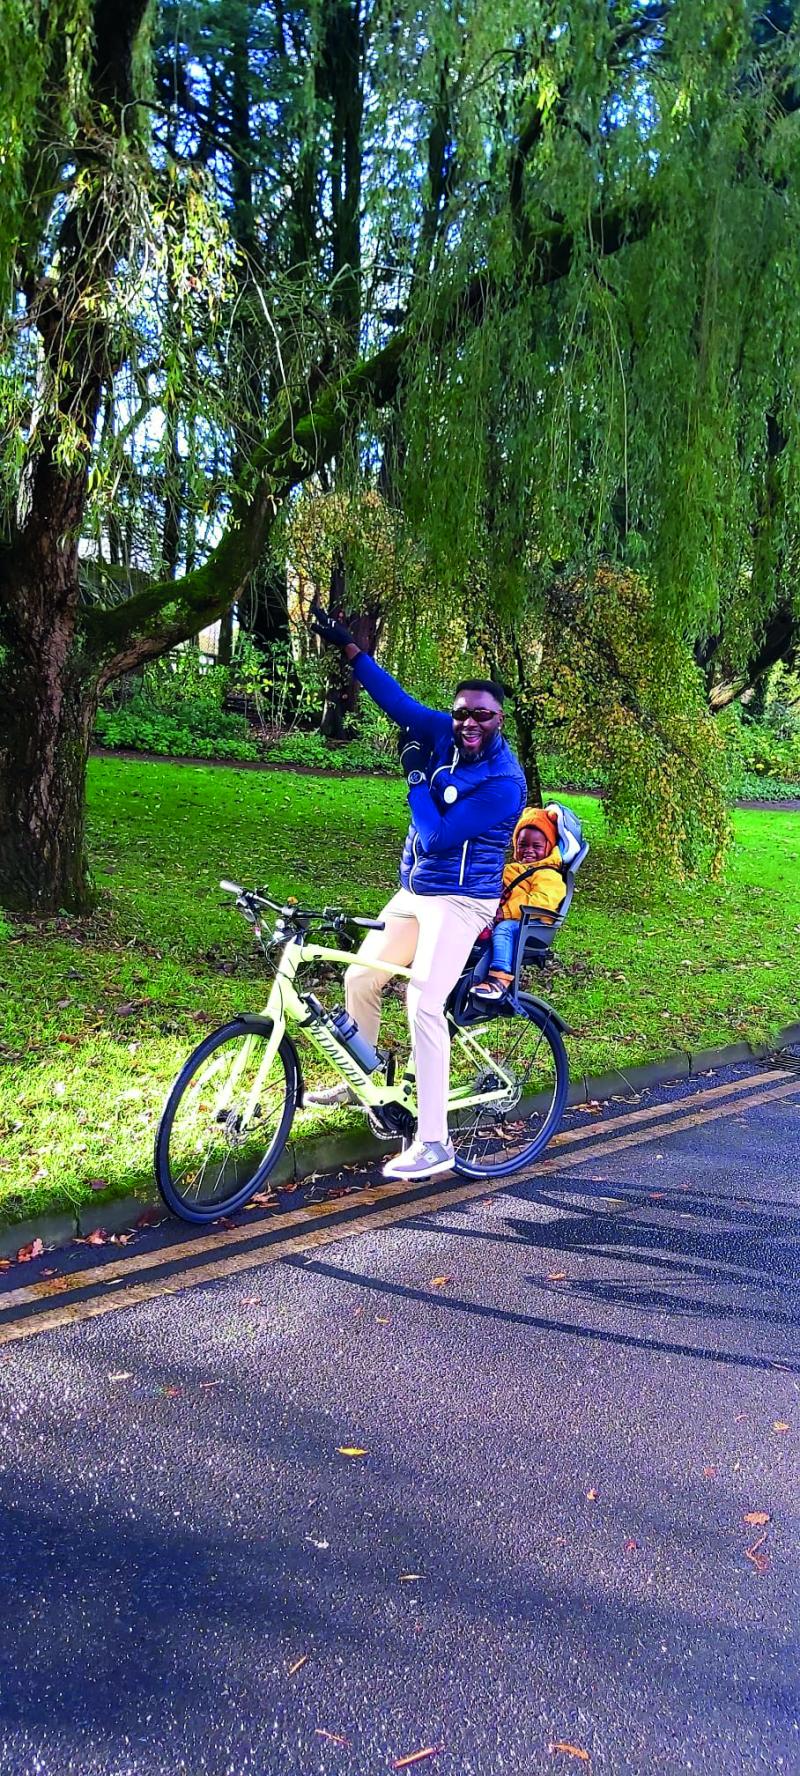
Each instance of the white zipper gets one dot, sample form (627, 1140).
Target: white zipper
(416, 859)
(463, 862)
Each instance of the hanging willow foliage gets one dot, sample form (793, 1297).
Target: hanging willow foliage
(622, 410)
(621, 384)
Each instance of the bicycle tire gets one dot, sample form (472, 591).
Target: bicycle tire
(471, 1165)
(180, 1200)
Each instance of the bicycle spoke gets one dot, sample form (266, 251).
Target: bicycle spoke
(523, 1060)
(215, 1150)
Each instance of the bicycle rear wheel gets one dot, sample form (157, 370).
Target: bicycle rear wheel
(214, 1148)
(493, 1140)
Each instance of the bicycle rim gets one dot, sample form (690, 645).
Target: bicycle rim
(225, 1122)
(525, 1056)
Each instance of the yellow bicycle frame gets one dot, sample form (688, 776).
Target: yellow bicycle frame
(286, 1008)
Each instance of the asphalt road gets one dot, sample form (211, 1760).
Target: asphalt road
(570, 1397)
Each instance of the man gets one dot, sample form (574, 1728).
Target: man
(465, 791)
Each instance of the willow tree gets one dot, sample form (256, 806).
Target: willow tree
(565, 325)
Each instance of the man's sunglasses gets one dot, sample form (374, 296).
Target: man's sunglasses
(482, 716)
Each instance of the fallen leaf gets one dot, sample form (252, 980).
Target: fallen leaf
(557, 1276)
(34, 1250)
(263, 1199)
(122, 1375)
(415, 1757)
(98, 1237)
(592, 1495)
(631, 1546)
(381, 1320)
(439, 1282)
(756, 1518)
(335, 1738)
(760, 1561)
(297, 1664)
(709, 1473)
(780, 1425)
(575, 1751)
(350, 1449)
(5, 1263)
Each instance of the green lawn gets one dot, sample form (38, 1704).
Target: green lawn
(99, 1013)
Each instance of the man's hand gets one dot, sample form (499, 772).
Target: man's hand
(331, 631)
(414, 755)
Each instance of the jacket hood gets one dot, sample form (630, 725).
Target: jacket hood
(545, 823)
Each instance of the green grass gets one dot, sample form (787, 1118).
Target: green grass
(99, 1013)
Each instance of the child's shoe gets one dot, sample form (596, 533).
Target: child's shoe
(492, 988)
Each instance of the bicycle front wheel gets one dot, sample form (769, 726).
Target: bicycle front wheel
(226, 1121)
(524, 1056)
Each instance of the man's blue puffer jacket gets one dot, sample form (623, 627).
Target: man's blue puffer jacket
(463, 818)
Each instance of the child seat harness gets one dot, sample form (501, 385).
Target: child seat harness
(512, 886)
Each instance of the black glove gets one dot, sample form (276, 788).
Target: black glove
(332, 632)
(414, 755)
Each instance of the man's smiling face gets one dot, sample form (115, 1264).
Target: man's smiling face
(477, 717)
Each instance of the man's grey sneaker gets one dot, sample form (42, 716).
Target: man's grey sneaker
(332, 1094)
(423, 1159)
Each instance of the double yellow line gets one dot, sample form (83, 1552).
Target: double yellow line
(385, 1204)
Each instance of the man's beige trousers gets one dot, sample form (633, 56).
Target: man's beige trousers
(432, 934)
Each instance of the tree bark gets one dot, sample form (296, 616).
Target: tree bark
(339, 674)
(526, 753)
(225, 642)
(44, 740)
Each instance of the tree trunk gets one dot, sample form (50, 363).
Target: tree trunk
(333, 709)
(526, 753)
(44, 744)
(225, 641)
(264, 608)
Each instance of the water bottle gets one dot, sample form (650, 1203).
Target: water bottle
(351, 1038)
(338, 1030)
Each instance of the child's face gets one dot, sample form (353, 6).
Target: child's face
(532, 845)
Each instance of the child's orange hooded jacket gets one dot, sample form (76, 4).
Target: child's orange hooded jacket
(543, 884)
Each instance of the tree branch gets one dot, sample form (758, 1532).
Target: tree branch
(170, 611)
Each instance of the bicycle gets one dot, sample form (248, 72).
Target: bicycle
(229, 1113)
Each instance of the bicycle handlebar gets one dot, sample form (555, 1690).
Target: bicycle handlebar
(329, 915)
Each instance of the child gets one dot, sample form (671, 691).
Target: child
(533, 879)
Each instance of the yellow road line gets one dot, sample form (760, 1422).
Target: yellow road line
(312, 1239)
(655, 1112)
(220, 1238)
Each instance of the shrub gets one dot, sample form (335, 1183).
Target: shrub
(151, 731)
(312, 751)
(176, 708)
(760, 749)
